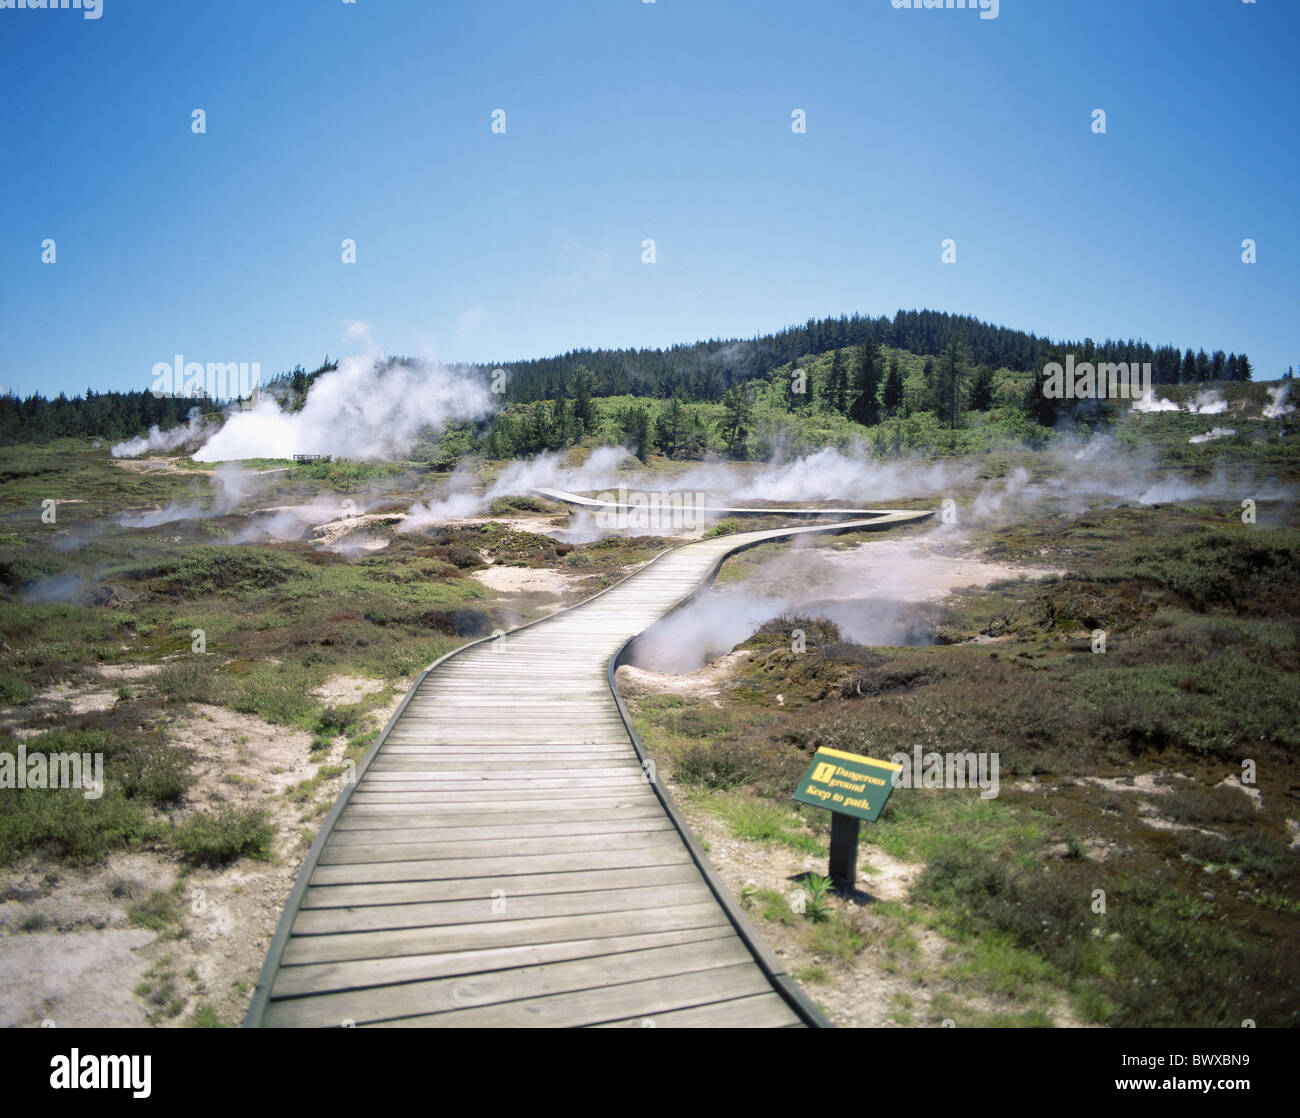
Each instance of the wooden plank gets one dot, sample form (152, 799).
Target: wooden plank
(349, 872)
(595, 1006)
(318, 978)
(441, 995)
(761, 1011)
(509, 809)
(503, 752)
(415, 790)
(405, 830)
(521, 832)
(360, 820)
(388, 917)
(466, 937)
(523, 797)
(500, 850)
(512, 885)
(413, 769)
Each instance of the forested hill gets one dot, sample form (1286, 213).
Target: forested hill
(696, 372)
(705, 370)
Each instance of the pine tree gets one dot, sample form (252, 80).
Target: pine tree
(837, 385)
(866, 386)
(736, 416)
(949, 380)
(584, 411)
(635, 423)
(893, 392)
(672, 427)
(981, 389)
(933, 390)
(559, 427)
(1040, 407)
(1188, 375)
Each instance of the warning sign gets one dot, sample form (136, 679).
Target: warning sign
(847, 783)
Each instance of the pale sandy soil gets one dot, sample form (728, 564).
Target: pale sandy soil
(704, 684)
(537, 525)
(150, 465)
(345, 689)
(356, 531)
(51, 705)
(525, 580)
(83, 966)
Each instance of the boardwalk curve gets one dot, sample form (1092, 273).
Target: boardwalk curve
(501, 859)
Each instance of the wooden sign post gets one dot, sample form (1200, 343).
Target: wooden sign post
(852, 788)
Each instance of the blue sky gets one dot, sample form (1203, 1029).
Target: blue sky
(625, 121)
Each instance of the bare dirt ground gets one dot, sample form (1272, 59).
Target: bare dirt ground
(525, 580)
(149, 465)
(344, 689)
(355, 531)
(69, 952)
(704, 684)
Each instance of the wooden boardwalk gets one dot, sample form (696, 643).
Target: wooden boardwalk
(502, 859)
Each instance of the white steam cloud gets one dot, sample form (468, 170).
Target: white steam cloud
(159, 441)
(1212, 435)
(1279, 407)
(874, 593)
(1208, 402)
(367, 408)
(229, 488)
(546, 470)
(1148, 403)
(1212, 402)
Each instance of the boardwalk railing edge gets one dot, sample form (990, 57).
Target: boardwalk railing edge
(785, 986)
(776, 973)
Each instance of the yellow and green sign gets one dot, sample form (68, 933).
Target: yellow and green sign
(847, 783)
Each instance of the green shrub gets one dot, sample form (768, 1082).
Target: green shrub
(14, 691)
(223, 570)
(340, 719)
(157, 773)
(205, 1017)
(276, 693)
(190, 681)
(1221, 804)
(62, 822)
(217, 840)
(721, 766)
(159, 910)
